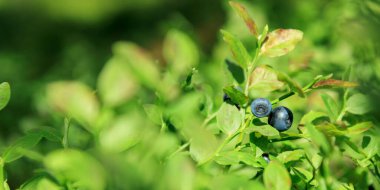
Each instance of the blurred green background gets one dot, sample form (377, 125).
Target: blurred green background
(43, 41)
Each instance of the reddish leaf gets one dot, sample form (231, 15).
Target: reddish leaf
(242, 12)
(332, 83)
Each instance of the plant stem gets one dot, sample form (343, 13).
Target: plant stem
(1, 174)
(65, 140)
(178, 150)
(209, 118)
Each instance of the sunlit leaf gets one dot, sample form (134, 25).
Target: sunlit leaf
(281, 41)
(139, 62)
(265, 130)
(332, 83)
(5, 94)
(228, 118)
(264, 78)
(360, 128)
(276, 176)
(242, 12)
(123, 133)
(203, 144)
(75, 100)
(311, 116)
(237, 48)
(234, 157)
(116, 84)
(228, 182)
(76, 167)
(180, 52)
(358, 104)
(235, 95)
(330, 129)
(289, 156)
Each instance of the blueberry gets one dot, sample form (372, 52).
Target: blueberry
(261, 107)
(281, 118)
(266, 157)
(226, 98)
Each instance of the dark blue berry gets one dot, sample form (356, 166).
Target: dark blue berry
(261, 107)
(281, 118)
(266, 157)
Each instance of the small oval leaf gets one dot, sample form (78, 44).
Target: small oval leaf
(228, 119)
(358, 104)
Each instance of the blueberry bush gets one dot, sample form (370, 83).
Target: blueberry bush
(244, 120)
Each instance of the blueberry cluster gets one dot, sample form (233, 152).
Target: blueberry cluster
(280, 117)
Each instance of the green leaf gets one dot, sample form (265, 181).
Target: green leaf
(280, 42)
(236, 95)
(228, 182)
(228, 119)
(358, 104)
(74, 99)
(276, 177)
(237, 48)
(51, 134)
(289, 156)
(125, 132)
(263, 35)
(234, 157)
(331, 105)
(141, 65)
(242, 12)
(360, 128)
(264, 78)
(154, 113)
(40, 183)
(5, 94)
(265, 130)
(318, 138)
(333, 83)
(203, 144)
(116, 84)
(236, 71)
(28, 141)
(303, 173)
(331, 129)
(76, 167)
(293, 85)
(180, 52)
(311, 116)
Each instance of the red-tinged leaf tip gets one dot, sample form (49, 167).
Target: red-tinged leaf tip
(242, 12)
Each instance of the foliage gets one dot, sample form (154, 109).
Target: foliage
(146, 125)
